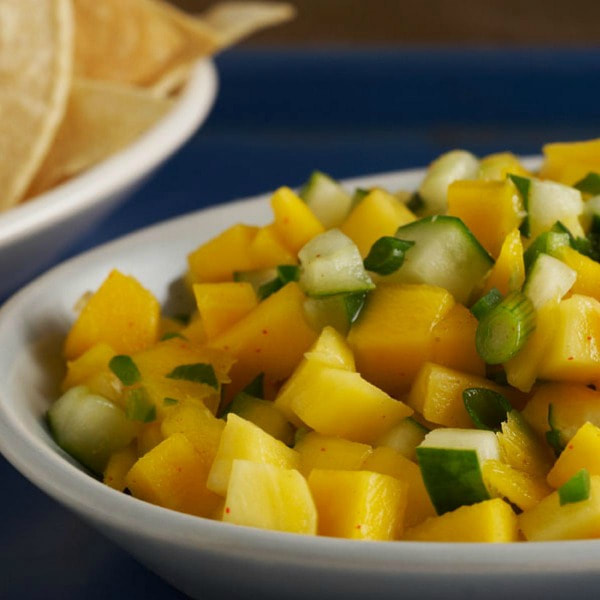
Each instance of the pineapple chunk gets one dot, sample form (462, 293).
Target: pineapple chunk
(390, 462)
(246, 441)
(269, 497)
(341, 403)
(583, 451)
(173, 475)
(359, 505)
(548, 520)
(436, 393)
(324, 452)
(488, 521)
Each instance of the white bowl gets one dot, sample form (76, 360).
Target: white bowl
(197, 555)
(33, 233)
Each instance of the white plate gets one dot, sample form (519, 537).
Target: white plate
(33, 233)
(195, 554)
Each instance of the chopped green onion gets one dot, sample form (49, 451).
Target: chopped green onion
(284, 274)
(125, 369)
(503, 331)
(197, 373)
(169, 335)
(256, 386)
(353, 303)
(553, 436)
(139, 407)
(546, 243)
(170, 401)
(266, 289)
(576, 489)
(523, 185)
(288, 273)
(486, 303)
(487, 408)
(590, 184)
(387, 255)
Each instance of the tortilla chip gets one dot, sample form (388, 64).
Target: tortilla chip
(35, 75)
(101, 119)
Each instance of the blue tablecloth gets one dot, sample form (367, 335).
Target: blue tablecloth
(280, 114)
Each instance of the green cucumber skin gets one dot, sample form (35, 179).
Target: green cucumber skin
(452, 477)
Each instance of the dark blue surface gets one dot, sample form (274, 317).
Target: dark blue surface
(280, 114)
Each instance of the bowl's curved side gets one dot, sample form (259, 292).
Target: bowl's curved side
(193, 553)
(33, 233)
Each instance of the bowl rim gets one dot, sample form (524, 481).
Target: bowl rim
(47, 468)
(121, 169)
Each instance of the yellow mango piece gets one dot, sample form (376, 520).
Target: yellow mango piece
(521, 448)
(436, 393)
(121, 313)
(377, 215)
(508, 273)
(244, 440)
(295, 223)
(93, 361)
(548, 520)
(319, 451)
(582, 452)
(341, 403)
(158, 362)
(217, 259)
(523, 370)
(149, 437)
(222, 304)
(454, 341)
(268, 250)
(588, 272)
(118, 466)
(496, 167)
(572, 405)
(269, 497)
(359, 505)
(569, 162)
(519, 488)
(574, 354)
(393, 335)
(173, 475)
(390, 462)
(331, 350)
(271, 339)
(488, 521)
(194, 330)
(490, 209)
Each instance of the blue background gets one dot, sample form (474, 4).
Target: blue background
(280, 114)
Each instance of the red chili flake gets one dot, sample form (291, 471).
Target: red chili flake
(570, 358)
(285, 220)
(257, 350)
(589, 338)
(323, 449)
(264, 332)
(227, 509)
(570, 446)
(225, 347)
(358, 526)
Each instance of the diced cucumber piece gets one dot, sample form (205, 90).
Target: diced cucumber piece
(338, 311)
(548, 279)
(445, 254)
(404, 437)
(327, 199)
(330, 264)
(503, 331)
(257, 277)
(590, 184)
(547, 202)
(449, 167)
(487, 408)
(89, 427)
(450, 461)
(577, 489)
(387, 255)
(548, 242)
(486, 303)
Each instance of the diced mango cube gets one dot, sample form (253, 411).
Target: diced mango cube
(173, 475)
(508, 273)
(295, 223)
(269, 250)
(149, 436)
(568, 162)
(319, 451)
(359, 505)
(222, 304)
(121, 313)
(93, 361)
(582, 452)
(269, 497)
(488, 521)
(118, 466)
(548, 520)
(377, 215)
(246, 441)
(588, 272)
(393, 335)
